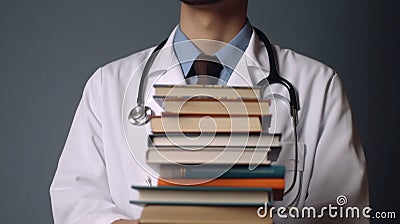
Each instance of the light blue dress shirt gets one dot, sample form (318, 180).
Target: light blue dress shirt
(229, 55)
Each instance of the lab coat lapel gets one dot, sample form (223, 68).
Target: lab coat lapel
(253, 66)
(257, 60)
(240, 76)
(165, 70)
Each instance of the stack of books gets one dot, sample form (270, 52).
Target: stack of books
(214, 154)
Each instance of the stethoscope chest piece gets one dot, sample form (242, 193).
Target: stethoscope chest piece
(140, 115)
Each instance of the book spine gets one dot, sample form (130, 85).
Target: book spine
(259, 172)
(274, 183)
(210, 172)
(223, 122)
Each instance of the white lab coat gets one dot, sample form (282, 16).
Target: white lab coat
(104, 155)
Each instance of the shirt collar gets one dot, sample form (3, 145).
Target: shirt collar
(229, 55)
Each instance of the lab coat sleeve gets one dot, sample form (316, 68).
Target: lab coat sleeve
(80, 191)
(339, 162)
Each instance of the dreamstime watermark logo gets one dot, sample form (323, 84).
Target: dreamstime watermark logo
(341, 200)
(340, 211)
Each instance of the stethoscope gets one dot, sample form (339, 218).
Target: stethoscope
(140, 114)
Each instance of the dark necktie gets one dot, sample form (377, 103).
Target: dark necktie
(207, 69)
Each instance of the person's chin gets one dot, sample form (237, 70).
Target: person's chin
(201, 2)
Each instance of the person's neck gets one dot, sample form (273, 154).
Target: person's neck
(220, 22)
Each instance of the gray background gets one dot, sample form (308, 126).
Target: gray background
(48, 49)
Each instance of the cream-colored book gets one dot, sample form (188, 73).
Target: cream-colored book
(172, 214)
(174, 123)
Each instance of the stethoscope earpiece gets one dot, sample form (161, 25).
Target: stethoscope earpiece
(140, 115)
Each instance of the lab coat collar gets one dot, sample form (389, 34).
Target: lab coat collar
(257, 59)
(166, 61)
(251, 68)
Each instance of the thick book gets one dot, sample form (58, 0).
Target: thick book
(210, 196)
(173, 214)
(211, 155)
(174, 123)
(216, 91)
(208, 105)
(222, 172)
(220, 140)
(276, 183)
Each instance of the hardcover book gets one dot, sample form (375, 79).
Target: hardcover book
(219, 140)
(172, 214)
(175, 123)
(209, 196)
(220, 171)
(210, 155)
(217, 91)
(276, 183)
(208, 105)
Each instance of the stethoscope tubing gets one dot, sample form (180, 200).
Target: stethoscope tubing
(141, 114)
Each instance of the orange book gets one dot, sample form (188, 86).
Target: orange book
(275, 183)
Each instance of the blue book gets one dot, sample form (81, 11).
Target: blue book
(212, 196)
(220, 171)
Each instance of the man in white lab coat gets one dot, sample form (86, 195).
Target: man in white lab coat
(96, 169)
